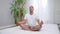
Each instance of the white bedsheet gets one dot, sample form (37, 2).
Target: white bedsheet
(46, 29)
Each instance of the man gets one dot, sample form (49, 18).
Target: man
(32, 20)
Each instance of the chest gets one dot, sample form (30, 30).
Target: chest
(31, 17)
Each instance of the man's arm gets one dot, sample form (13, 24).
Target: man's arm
(40, 22)
(39, 26)
(23, 22)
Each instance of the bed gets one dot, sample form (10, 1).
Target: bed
(46, 29)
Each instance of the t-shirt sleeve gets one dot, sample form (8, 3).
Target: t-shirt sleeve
(25, 17)
(37, 17)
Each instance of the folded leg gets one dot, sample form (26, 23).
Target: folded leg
(25, 27)
(36, 28)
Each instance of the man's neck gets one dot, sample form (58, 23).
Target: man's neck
(31, 13)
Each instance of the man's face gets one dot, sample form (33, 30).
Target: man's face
(31, 9)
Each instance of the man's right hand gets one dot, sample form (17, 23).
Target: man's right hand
(18, 23)
(21, 22)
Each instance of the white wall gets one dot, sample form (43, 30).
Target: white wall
(5, 13)
(50, 9)
(57, 11)
(47, 11)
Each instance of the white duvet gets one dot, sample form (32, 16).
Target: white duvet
(46, 29)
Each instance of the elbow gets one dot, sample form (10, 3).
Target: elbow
(42, 22)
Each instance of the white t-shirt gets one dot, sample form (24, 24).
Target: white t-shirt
(31, 19)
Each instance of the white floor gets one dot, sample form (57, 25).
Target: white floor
(3, 27)
(47, 29)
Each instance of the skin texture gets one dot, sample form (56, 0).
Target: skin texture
(26, 27)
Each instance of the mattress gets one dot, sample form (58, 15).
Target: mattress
(46, 29)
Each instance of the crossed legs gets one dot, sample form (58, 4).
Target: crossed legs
(26, 27)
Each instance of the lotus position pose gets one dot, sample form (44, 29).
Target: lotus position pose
(32, 20)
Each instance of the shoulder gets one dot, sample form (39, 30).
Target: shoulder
(36, 15)
(26, 14)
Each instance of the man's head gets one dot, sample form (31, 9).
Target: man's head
(31, 8)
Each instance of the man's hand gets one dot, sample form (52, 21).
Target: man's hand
(21, 22)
